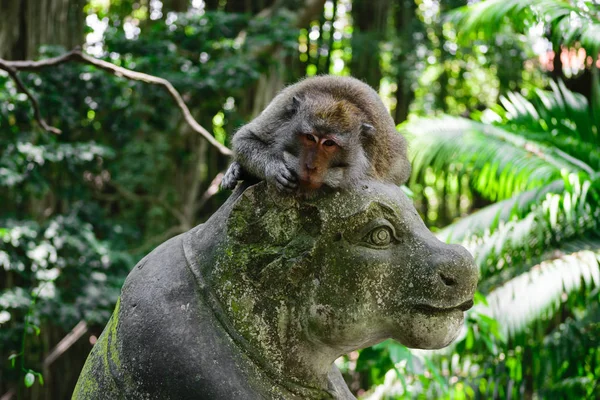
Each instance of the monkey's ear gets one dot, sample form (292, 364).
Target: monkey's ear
(293, 107)
(295, 102)
(367, 130)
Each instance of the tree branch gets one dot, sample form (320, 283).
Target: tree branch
(36, 107)
(65, 343)
(213, 188)
(77, 56)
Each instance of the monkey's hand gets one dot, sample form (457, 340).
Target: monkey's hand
(278, 174)
(232, 176)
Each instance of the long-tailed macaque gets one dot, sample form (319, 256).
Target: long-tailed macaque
(323, 131)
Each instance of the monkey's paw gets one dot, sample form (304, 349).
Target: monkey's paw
(232, 176)
(284, 179)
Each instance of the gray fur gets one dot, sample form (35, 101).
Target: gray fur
(374, 148)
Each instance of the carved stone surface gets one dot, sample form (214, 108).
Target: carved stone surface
(260, 300)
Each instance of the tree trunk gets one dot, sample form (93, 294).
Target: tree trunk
(25, 25)
(404, 24)
(369, 25)
(175, 5)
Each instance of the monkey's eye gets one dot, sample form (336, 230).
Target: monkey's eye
(310, 138)
(329, 143)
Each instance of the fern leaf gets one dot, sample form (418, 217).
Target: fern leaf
(525, 298)
(489, 153)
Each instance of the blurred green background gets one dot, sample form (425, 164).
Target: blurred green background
(500, 101)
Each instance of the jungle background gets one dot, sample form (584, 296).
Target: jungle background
(500, 101)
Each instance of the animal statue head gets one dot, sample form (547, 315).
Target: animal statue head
(262, 298)
(355, 267)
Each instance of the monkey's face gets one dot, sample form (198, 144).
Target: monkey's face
(317, 155)
(327, 139)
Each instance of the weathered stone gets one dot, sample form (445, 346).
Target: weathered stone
(261, 299)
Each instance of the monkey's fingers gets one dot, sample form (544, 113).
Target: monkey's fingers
(282, 188)
(289, 175)
(228, 184)
(282, 181)
(232, 175)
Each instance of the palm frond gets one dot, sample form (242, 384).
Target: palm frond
(527, 297)
(501, 164)
(558, 117)
(570, 24)
(573, 343)
(489, 218)
(525, 237)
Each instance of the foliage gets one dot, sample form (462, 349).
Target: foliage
(572, 23)
(79, 209)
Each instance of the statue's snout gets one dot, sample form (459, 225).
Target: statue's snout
(455, 275)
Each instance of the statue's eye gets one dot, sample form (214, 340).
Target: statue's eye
(379, 237)
(378, 234)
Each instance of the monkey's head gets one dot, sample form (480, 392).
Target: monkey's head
(328, 137)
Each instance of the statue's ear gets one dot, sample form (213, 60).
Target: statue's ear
(367, 131)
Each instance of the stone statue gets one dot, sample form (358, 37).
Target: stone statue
(260, 300)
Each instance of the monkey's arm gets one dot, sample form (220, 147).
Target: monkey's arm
(261, 159)
(233, 174)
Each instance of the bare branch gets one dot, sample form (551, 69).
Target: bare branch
(77, 56)
(213, 188)
(65, 343)
(36, 107)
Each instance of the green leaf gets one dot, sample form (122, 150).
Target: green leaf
(498, 162)
(409, 193)
(479, 298)
(470, 338)
(13, 359)
(399, 352)
(545, 284)
(35, 328)
(436, 374)
(29, 379)
(570, 24)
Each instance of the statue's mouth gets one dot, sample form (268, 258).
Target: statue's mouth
(433, 310)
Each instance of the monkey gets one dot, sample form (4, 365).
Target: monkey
(327, 131)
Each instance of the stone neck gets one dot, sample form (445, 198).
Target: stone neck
(300, 366)
(294, 370)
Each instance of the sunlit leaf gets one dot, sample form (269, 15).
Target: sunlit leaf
(29, 379)
(571, 23)
(524, 298)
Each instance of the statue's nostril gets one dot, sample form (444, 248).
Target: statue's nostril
(448, 280)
